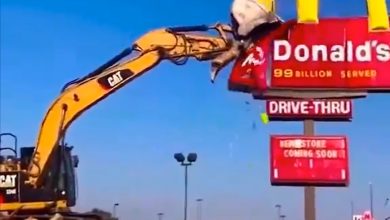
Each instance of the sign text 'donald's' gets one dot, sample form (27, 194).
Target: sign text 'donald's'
(333, 54)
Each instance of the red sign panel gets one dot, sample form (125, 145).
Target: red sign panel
(303, 160)
(297, 109)
(336, 53)
(249, 72)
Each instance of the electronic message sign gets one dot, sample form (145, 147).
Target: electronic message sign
(298, 160)
(301, 109)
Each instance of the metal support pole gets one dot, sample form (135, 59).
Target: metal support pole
(114, 209)
(199, 214)
(309, 191)
(278, 210)
(371, 201)
(160, 216)
(185, 189)
(352, 209)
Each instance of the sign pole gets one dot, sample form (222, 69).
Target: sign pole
(309, 191)
(371, 201)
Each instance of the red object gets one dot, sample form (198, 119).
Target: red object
(254, 60)
(336, 53)
(249, 71)
(367, 215)
(340, 69)
(300, 109)
(298, 160)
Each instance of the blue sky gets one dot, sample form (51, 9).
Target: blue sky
(126, 143)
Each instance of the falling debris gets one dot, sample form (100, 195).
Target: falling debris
(231, 145)
(264, 118)
(254, 126)
(231, 149)
(247, 103)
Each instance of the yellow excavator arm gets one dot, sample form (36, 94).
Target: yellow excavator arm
(175, 44)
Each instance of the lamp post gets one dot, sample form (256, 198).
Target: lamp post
(352, 209)
(114, 209)
(282, 217)
(371, 200)
(191, 158)
(278, 210)
(199, 216)
(160, 215)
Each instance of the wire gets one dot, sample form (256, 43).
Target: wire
(184, 58)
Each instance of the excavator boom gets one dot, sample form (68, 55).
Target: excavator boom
(174, 44)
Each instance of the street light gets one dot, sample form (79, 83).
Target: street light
(114, 209)
(282, 217)
(191, 158)
(199, 201)
(160, 215)
(371, 200)
(278, 208)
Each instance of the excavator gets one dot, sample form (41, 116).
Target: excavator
(39, 181)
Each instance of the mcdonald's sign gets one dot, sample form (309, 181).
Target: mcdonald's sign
(338, 54)
(335, 53)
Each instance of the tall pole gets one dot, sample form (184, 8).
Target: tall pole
(191, 158)
(371, 200)
(309, 191)
(278, 211)
(199, 214)
(160, 216)
(114, 210)
(352, 209)
(185, 189)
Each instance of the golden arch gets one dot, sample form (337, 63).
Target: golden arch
(307, 12)
(378, 17)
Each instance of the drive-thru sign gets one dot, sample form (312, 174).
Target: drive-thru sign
(301, 109)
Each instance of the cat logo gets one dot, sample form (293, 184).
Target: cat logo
(8, 181)
(113, 79)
